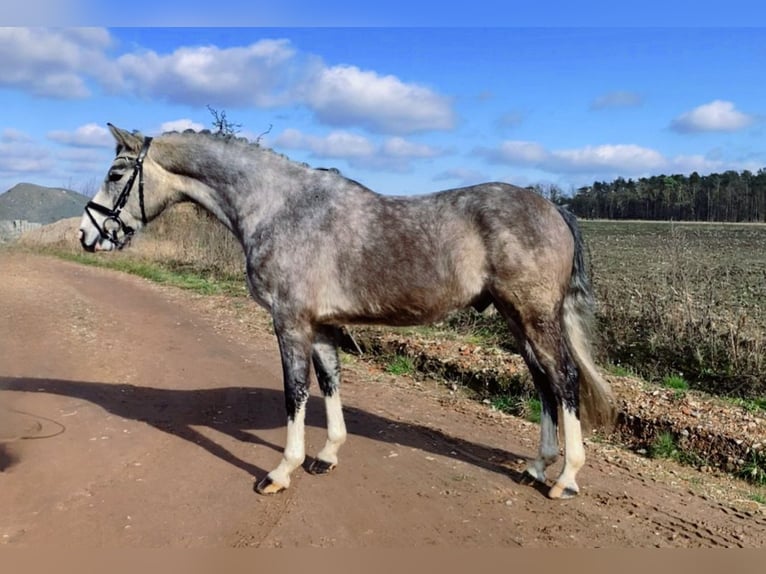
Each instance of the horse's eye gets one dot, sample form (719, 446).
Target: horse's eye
(114, 176)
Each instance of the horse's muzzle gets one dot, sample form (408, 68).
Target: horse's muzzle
(87, 247)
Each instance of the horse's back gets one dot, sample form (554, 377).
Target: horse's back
(515, 224)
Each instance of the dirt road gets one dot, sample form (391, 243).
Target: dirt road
(137, 415)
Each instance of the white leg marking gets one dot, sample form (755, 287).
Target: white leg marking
(566, 486)
(336, 429)
(295, 450)
(549, 447)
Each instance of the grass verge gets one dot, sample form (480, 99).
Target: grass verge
(165, 273)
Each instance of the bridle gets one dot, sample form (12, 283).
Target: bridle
(113, 224)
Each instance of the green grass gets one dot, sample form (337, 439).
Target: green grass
(664, 446)
(757, 497)
(619, 370)
(754, 469)
(533, 409)
(530, 407)
(164, 273)
(505, 403)
(400, 365)
(675, 382)
(753, 405)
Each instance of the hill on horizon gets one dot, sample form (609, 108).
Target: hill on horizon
(40, 204)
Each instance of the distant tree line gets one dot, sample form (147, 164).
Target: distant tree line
(727, 196)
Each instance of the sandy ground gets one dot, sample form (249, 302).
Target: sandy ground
(135, 415)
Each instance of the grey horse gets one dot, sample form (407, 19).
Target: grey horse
(323, 251)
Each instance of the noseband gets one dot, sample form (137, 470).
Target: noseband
(113, 224)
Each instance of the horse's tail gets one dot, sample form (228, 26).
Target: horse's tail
(597, 405)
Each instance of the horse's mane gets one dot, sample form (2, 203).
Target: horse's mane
(256, 147)
(249, 144)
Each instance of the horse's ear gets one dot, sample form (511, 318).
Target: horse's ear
(127, 140)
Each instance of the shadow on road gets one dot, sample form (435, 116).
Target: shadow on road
(241, 412)
(7, 460)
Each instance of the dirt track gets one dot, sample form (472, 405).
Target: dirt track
(159, 407)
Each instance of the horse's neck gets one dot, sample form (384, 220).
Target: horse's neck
(241, 198)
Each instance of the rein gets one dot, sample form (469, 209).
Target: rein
(113, 224)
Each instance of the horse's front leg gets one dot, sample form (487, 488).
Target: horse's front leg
(327, 368)
(295, 349)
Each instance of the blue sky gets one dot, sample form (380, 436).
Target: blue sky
(400, 109)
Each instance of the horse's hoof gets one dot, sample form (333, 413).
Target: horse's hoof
(560, 492)
(321, 466)
(532, 475)
(268, 486)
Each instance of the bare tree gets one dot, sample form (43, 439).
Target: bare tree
(222, 125)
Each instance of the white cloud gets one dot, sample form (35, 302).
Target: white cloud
(181, 125)
(11, 135)
(259, 74)
(619, 158)
(517, 152)
(712, 163)
(52, 62)
(400, 147)
(89, 135)
(394, 153)
(271, 72)
(337, 144)
(606, 161)
(464, 176)
(85, 160)
(19, 160)
(346, 95)
(627, 157)
(61, 63)
(617, 99)
(717, 116)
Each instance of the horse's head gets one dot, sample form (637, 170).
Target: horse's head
(118, 209)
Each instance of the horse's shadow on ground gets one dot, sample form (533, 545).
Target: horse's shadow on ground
(240, 412)
(7, 459)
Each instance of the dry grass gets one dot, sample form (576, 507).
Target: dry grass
(186, 236)
(683, 299)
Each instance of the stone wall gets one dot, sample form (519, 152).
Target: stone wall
(11, 229)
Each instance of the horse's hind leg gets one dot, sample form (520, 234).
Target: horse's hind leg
(556, 379)
(566, 485)
(327, 368)
(295, 349)
(548, 451)
(557, 362)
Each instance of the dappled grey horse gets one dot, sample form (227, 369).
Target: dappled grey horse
(323, 251)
